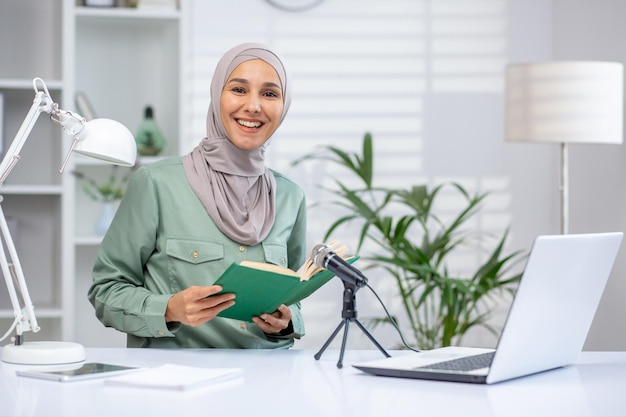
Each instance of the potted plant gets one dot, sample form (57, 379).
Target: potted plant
(106, 193)
(109, 191)
(413, 244)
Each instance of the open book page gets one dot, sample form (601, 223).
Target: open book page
(269, 267)
(306, 271)
(309, 268)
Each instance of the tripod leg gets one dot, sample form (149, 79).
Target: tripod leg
(330, 339)
(343, 344)
(370, 337)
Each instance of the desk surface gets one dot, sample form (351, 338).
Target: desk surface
(292, 382)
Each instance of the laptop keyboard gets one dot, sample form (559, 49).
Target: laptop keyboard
(467, 363)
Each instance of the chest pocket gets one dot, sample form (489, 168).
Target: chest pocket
(194, 252)
(276, 254)
(192, 262)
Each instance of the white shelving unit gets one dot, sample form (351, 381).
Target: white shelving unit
(33, 192)
(122, 59)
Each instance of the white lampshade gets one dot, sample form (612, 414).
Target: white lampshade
(564, 102)
(107, 140)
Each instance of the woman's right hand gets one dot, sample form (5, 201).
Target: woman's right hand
(196, 305)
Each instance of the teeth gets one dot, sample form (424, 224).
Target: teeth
(249, 124)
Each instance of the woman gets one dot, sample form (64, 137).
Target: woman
(184, 220)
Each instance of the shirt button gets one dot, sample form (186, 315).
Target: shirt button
(195, 254)
(283, 261)
(242, 248)
(242, 325)
(160, 332)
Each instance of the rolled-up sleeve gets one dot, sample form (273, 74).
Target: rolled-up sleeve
(118, 291)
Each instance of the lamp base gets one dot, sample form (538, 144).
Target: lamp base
(43, 353)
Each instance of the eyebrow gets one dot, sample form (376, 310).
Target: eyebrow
(245, 81)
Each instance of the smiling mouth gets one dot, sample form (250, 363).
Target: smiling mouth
(246, 123)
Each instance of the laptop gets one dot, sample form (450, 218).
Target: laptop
(547, 324)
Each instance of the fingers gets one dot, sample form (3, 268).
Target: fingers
(275, 322)
(216, 303)
(203, 292)
(196, 305)
(285, 311)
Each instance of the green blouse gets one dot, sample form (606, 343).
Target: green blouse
(162, 241)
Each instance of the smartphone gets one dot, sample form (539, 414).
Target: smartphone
(85, 371)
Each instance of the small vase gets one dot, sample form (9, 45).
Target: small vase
(149, 138)
(104, 218)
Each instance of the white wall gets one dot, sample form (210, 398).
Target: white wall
(594, 30)
(425, 77)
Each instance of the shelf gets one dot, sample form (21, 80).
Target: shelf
(39, 313)
(147, 47)
(31, 190)
(27, 84)
(87, 240)
(141, 160)
(126, 13)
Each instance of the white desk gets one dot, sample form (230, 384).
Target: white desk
(293, 383)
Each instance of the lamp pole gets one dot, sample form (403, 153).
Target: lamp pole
(564, 188)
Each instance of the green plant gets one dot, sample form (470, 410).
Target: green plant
(413, 244)
(111, 190)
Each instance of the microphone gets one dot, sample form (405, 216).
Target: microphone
(324, 257)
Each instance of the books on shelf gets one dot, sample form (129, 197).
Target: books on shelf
(262, 287)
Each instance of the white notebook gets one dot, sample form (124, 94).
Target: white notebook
(175, 377)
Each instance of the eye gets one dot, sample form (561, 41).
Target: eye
(238, 90)
(271, 94)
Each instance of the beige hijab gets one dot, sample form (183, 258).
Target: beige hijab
(234, 185)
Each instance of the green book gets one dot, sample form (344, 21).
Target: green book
(262, 288)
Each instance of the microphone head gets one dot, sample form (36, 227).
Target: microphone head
(319, 253)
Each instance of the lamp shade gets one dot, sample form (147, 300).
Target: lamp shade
(107, 140)
(564, 102)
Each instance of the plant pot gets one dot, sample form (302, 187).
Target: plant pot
(107, 212)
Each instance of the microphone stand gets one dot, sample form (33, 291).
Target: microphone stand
(348, 314)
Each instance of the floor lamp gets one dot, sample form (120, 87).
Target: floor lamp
(564, 102)
(102, 139)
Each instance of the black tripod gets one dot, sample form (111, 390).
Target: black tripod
(348, 314)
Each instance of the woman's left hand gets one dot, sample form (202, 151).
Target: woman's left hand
(275, 322)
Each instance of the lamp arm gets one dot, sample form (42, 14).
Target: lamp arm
(89, 141)
(70, 122)
(73, 124)
(23, 309)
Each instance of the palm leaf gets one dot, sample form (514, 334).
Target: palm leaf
(414, 245)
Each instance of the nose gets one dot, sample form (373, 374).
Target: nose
(253, 106)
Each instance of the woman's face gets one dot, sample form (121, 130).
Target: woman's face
(251, 104)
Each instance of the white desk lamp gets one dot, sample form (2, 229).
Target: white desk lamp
(103, 139)
(564, 102)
